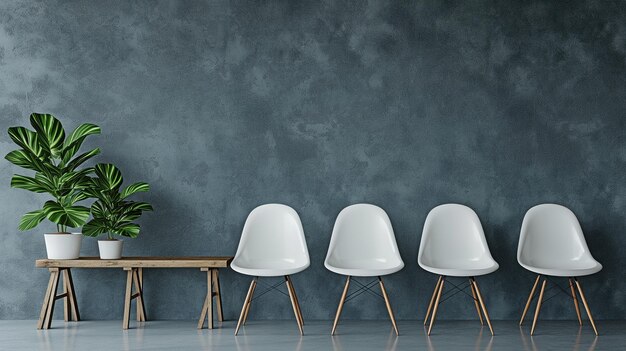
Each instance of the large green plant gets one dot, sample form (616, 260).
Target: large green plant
(53, 156)
(112, 212)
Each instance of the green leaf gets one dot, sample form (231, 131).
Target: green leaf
(49, 131)
(94, 227)
(75, 140)
(25, 159)
(28, 183)
(27, 140)
(71, 216)
(31, 219)
(135, 188)
(98, 210)
(72, 165)
(82, 131)
(138, 206)
(109, 175)
(130, 230)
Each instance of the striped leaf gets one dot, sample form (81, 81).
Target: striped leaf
(71, 216)
(50, 132)
(32, 219)
(26, 160)
(28, 183)
(27, 140)
(130, 230)
(109, 175)
(75, 140)
(137, 206)
(95, 227)
(72, 165)
(135, 188)
(98, 209)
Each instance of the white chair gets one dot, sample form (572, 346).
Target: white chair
(453, 244)
(272, 244)
(552, 243)
(363, 245)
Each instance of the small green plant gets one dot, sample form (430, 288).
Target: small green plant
(52, 155)
(112, 213)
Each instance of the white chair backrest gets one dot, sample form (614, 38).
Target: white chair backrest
(363, 233)
(452, 234)
(551, 234)
(272, 232)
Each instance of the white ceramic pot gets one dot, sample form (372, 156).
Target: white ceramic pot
(63, 246)
(110, 249)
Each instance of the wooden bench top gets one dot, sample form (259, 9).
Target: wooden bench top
(139, 262)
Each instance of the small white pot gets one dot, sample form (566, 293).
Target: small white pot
(63, 246)
(110, 249)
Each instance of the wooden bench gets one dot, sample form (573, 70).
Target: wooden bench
(134, 278)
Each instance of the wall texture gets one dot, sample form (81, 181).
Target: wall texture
(222, 106)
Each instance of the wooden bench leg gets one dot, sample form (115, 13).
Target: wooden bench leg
(46, 299)
(52, 299)
(127, 297)
(141, 308)
(207, 307)
(71, 310)
(218, 294)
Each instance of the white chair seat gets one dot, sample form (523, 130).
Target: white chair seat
(569, 269)
(275, 268)
(364, 268)
(463, 269)
(453, 243)
(363, 244)
(552, 243)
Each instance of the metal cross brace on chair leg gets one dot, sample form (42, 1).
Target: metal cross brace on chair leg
(362, 288)
(574, 286)
(436, 300)
(291, 293)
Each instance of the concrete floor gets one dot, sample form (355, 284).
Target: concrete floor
(283, 335)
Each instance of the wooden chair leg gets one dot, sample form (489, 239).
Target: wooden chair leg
(243, 308)
(46, 300)
(127, 297)
(432, 300)
(140, 304)
(530, 299)
(72, 295)
(245, 316)
(52, 299)
(218, 294)
(296, 298)
(586, 305)
(482, 305)
(576, 306)
(436, 306)
(341, 302)
(293, 304)
(476, 304)
(388, 304)
(543, 288)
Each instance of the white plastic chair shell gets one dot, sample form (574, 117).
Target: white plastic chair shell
(363, 243)
(552, 243)
(453, 243)
(272, 243)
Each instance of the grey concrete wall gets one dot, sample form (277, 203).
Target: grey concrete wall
(222, 106)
